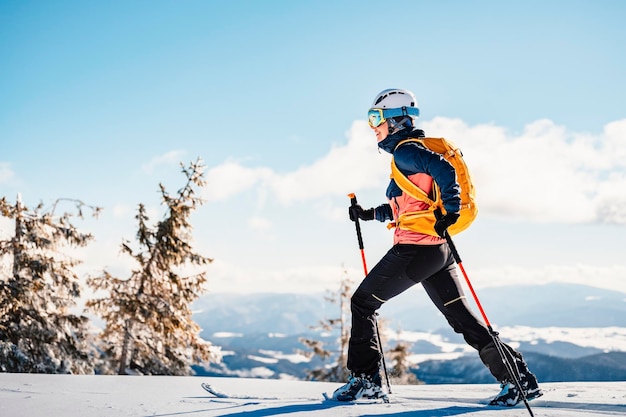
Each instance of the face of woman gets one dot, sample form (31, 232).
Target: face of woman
(381, 131)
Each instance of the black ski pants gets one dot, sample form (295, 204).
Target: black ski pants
(402, 267)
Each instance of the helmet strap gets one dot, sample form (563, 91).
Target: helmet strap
(395, 127)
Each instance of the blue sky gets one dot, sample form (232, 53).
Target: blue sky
(101, 101)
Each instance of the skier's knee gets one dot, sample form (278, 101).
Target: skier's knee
(364, 303)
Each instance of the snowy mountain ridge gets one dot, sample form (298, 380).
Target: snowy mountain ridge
(260, 335)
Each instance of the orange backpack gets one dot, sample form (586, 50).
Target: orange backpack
(424, 221)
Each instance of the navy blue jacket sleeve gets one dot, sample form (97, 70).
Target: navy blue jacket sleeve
(383, 213)
(412, 158)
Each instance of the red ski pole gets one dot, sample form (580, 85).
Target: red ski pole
(353, 203)
(494, 335)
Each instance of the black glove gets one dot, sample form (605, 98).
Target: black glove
(444, 221)
(356, 212)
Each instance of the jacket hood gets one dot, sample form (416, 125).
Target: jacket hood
(391, 141)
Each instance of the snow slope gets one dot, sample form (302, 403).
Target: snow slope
(31, 395)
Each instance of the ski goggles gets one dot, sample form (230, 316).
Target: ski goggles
(376, 117)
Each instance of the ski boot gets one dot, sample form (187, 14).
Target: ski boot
(510, 396)
(357, 387)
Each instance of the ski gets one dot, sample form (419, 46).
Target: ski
(219, 394)
(364, 400)
(222, 395)
(210, 390)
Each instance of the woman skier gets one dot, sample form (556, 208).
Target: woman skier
(417, 256)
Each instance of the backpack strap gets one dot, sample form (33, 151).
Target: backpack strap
(409, 187)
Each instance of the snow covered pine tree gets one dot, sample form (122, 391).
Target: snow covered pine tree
(38, 333)
(149, 328)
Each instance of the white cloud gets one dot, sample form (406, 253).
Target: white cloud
(231, 178)
(355, 165)
(259, 223)
(544, 174)
(615, 142)
(170, 158)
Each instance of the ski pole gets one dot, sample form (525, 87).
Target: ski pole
(494, 335)
(353, 203)
(358, 232)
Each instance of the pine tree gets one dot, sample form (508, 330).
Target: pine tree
(400, 372)
(336, 371)
(38, 332)
(149, 328)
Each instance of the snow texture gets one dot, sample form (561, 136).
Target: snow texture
(31, 395)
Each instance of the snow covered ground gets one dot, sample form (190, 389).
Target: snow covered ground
(27, 395)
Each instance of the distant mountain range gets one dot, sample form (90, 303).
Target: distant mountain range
(560, 305)
(469, 369)
(260, 333)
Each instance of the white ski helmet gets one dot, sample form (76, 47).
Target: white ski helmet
(394, 98)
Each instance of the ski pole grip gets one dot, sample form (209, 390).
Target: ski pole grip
(352, 199)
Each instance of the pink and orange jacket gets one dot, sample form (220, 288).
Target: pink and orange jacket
(422, 167)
